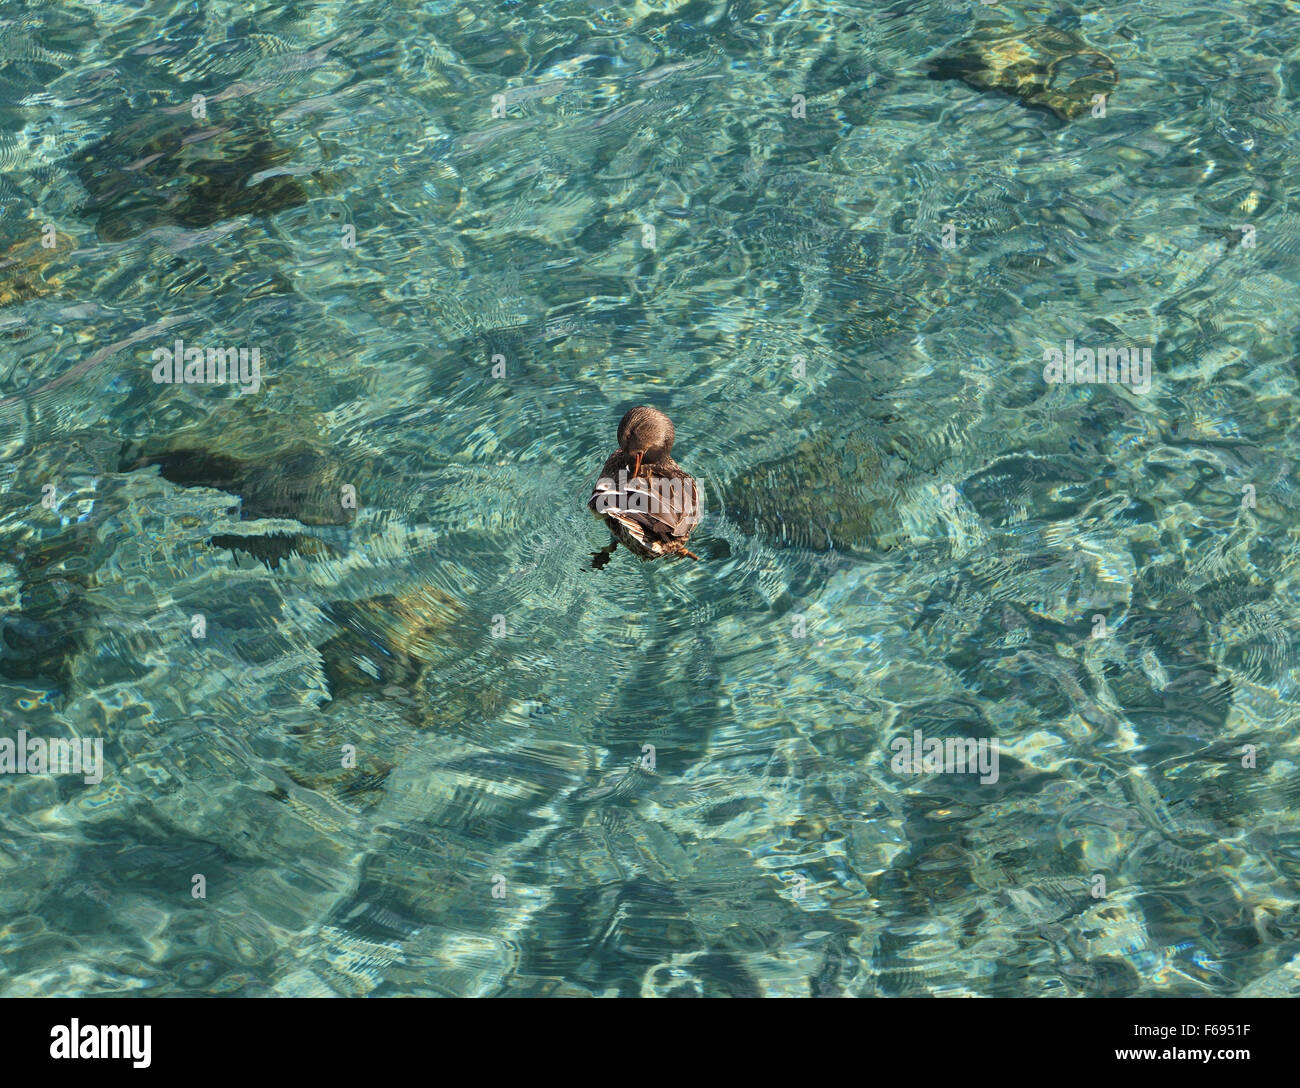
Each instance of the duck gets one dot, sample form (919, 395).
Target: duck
(650, 503)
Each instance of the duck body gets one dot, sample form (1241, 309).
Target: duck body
(650, 503)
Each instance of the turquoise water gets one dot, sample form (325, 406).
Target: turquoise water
(370, 724)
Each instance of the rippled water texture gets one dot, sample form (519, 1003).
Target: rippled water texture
(412, 743)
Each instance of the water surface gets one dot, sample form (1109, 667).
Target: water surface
(421, 748)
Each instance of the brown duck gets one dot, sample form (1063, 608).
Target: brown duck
(650, 503)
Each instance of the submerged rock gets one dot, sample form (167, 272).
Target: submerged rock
(182, 172)
(279, 467)
(1040, 65)
(316, 764)
(25, 270)
(300, 484)
(272, 548)
(39, 639)
(827, 493)
(48, 569)
(390, 639)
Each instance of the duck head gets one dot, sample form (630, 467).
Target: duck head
(646, 434)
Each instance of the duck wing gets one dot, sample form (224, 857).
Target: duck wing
(654, 516)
